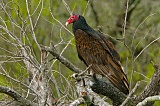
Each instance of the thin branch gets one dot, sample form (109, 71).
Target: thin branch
(146, 47)
(39, 13)
(16, 96)
(59, 22)
(63, 60)
(138, 28)
(86, 7)
(15, 80)
(32, 27)
(132, 4)
(141, 40)
(149, 99)
(131, 93)
(125, 21)
(152, 88)
(66, 5)
(125, 25)
(66, 46)
(53, 79)
(77, 102)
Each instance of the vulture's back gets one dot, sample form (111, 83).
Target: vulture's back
(101, 54)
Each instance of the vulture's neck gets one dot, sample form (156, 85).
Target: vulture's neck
(81, 24)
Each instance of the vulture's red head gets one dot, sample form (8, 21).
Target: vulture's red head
(72, 19)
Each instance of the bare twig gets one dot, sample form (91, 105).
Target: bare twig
(146, 47)
(131, 93)
(17, 81)
(60, 22)
(153, 87)
(16, 96)
(86, 7)
(41, 1)
(77, 102)
(125, 20)
(66, 5)
(138, 28)
(64, 61)
(32, 27)
(53, 79)
(132, 53)
(149, 99)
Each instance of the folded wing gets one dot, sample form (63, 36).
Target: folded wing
(94, 49)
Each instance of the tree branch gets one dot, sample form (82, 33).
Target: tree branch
(104, 87)
(63, 60)
(77, 102)
(84, 90)
(97, 85)
(153, 87)
(16, 96)
(38, 78)
(131, 93)
(149, 99)
(120, 22)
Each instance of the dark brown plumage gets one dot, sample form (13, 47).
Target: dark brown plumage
(94, 49)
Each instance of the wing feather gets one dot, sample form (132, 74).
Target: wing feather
(97, 50)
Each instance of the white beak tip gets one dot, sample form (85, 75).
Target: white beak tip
(67, 23)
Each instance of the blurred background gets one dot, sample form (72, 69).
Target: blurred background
(141, 48)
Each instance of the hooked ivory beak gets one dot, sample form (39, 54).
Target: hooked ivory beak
(67, 23)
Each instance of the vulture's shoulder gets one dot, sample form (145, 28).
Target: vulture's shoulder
(100, 38)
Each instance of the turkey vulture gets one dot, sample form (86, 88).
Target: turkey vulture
(94, 49)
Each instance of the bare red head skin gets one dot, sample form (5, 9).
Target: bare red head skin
(72, 19)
